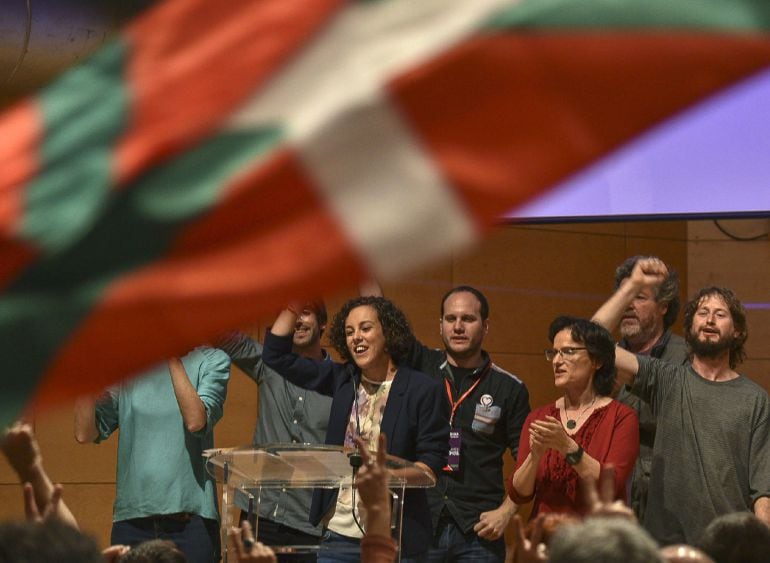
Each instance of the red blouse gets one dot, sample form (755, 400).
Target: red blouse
(610, 436)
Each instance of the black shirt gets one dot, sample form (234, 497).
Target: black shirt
(490, 419)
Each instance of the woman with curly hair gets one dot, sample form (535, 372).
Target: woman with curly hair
(371, 393)
(584, 430)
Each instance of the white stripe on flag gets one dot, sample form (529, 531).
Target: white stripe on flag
(362, 48)
(373, 172)
(386, 192)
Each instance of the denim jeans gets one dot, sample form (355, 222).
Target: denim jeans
(197, 537)
(450, 544)
(336, 548)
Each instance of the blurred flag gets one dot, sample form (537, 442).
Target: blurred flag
(218, 159)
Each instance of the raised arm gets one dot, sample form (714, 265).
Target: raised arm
(85, 420)
(286, 321)
(647, 273)
(244, 352)
(279, 355)
(23, 453)
(371, 287)
(190, 404)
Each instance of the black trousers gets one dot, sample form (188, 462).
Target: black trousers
(272, 533)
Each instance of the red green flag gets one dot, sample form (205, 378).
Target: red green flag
(208, 164)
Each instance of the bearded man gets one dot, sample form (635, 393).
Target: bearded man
(645, 328)
(711, 454)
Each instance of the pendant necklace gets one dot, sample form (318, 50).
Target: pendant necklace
(571, 422)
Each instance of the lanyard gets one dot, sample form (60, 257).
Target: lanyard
(452, 402)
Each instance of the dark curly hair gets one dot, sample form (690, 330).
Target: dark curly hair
(154, 551)
(395, 327)
(737, 312)
(319, 308)
(667, 293)
(599, 345)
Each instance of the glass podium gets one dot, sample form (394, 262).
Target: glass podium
(248, 471)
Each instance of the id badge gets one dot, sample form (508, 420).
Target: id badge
(453, 459)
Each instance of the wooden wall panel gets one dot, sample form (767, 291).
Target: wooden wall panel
(529, 273)
(92, 505)
(743, 266)
(90, 502)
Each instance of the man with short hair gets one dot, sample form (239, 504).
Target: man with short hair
(287, 413)
(645, 328)
(469, 505)
(738, 537)
(711, 453)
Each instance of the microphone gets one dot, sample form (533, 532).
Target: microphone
(354, 457)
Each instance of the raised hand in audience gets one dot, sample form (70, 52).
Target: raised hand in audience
(372, 484)
(601, 502)
(529, 550)
(245, 549)
(42, 499)
(372, 478)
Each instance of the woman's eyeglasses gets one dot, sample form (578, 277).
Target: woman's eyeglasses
(568, 352)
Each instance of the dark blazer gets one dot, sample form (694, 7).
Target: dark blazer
(415, 421)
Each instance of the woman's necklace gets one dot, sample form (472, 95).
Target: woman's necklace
(571, 422)
(371, 382)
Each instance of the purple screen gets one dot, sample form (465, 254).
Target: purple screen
(712, 160)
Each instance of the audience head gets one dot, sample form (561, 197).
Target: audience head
(154, 551)
(51, 541)
(390, 336)
(600, 348)
(682, 553)
(699, 311)
(603, 540)
(552, 522)
(650, 309)
(737, 537)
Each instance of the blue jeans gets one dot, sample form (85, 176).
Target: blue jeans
(451, 544)
(336, 548)
(197, 537)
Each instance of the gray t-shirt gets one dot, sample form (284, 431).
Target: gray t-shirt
(712, 448)
(287, 415)
(673, 349)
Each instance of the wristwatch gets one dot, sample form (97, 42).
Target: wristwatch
(573, 458)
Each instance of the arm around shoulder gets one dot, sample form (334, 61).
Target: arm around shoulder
(244, 352)
(433, 426)
(212, 386)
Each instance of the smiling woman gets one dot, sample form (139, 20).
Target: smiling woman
(583, 431)
(371, 393)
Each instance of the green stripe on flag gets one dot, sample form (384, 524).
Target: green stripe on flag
(84, 114)
(608, 15)
(43, 308)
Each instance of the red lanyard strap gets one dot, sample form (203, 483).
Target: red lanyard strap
(452, 402)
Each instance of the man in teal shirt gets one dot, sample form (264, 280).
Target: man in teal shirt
(166, 419)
